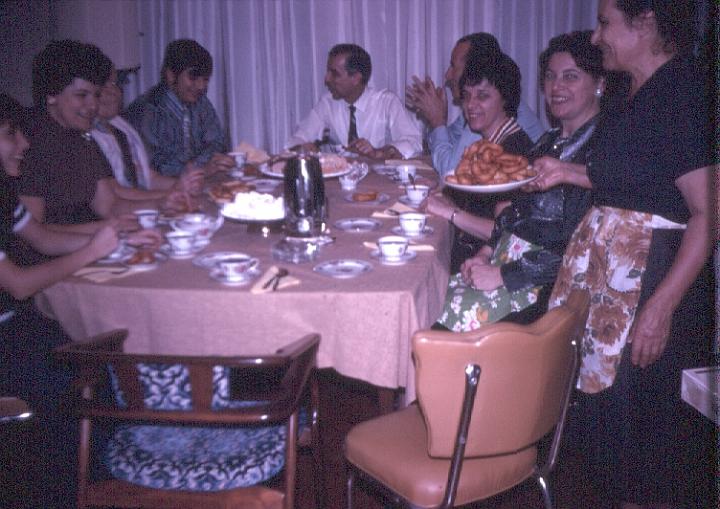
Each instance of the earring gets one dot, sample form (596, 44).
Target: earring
(598, 92)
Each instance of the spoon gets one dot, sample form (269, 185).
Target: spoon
(412, 180)
(281, 274)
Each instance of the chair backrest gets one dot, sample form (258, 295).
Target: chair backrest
(527, 374)
(194, 388)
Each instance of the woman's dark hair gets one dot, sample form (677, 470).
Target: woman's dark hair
(586, 56)
(675, 20)
(183, 54)
(56, 66)
(12, 113)
(500, 71)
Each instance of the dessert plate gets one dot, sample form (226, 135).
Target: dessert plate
(381, 198)
(358, 224)
(409, 255)
(118, 256)
(343, 269)
(159, 257)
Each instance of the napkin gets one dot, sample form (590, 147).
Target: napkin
(103, 274)
(417, 163)
(393, 211)
(412, 246)
(269, 274)
(254, 155)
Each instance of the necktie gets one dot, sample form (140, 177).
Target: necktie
(187, 136)
(128, 164)
(352, 132)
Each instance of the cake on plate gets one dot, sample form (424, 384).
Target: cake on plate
(255, 206)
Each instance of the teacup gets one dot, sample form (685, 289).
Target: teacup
(405, 171)
(240, 158)
(199, 224)
(237, 267)
(348, 183)
(392, 247)
(147, 218)
(417, 193)
(181, 242)
(412, 223)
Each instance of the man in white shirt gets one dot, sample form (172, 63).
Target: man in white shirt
(370, 122)
(448, 141)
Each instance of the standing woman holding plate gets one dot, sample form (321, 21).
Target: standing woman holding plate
(640, 251)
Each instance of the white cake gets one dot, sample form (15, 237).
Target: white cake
(255, 206)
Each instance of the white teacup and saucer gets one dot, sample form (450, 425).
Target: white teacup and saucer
(236, 270)
(393, 250)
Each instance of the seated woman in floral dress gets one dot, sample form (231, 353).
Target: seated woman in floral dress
(526, 241)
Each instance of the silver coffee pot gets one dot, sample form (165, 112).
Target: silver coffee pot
(305, 202)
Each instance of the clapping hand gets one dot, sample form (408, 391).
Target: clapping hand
(428, 101)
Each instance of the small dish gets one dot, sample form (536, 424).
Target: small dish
(381, 198)
(405, 200)
(343, 269)
(117, 256)
(159, 257)
(199, 246)
(210, 260)
(409, 255)
(217, 274)
(358, 224)
(428, 230)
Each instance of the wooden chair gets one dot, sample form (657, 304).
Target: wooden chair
(184, 438)
(485, 400)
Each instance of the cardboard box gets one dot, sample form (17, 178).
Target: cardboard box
(700, 389)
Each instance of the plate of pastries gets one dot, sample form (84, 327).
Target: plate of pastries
(486, 168)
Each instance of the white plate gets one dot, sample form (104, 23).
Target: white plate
(409, 255)
(382, 169)
(343, 269)
(209, 260)
(217, 275)
(492, 188)
(159, 257)
(266, 170)
(199, 246)
(240, 217)
(397, 230)
(381, 198)
(358, 224)
(118, 256)
(404, 199)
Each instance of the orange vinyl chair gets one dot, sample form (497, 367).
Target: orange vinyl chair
(188, 434)
(485, 400)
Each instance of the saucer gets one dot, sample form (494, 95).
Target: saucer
(217, 274)
(343, 269)
(210, 260)
(358, 224)
(409, 255)
(428, 230)
(184, 255)
(118, 256)
(404, 199)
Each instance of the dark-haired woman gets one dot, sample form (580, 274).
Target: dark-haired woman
(640, 250)
(527, 240)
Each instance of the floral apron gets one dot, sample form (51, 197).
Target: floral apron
(467, 309)
(607, 255)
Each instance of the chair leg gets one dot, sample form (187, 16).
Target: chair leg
(349, 487)
(544, 482)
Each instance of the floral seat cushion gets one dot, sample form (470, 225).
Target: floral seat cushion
(196, 458)
(191, 457)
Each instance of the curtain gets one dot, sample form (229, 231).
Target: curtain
(270, 55)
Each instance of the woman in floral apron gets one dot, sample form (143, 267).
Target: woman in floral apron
(525, 243)
(640, 250)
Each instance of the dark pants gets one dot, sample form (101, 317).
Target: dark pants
(41, 453)
(640, 441)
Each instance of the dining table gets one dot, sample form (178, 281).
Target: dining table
(365, 322)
